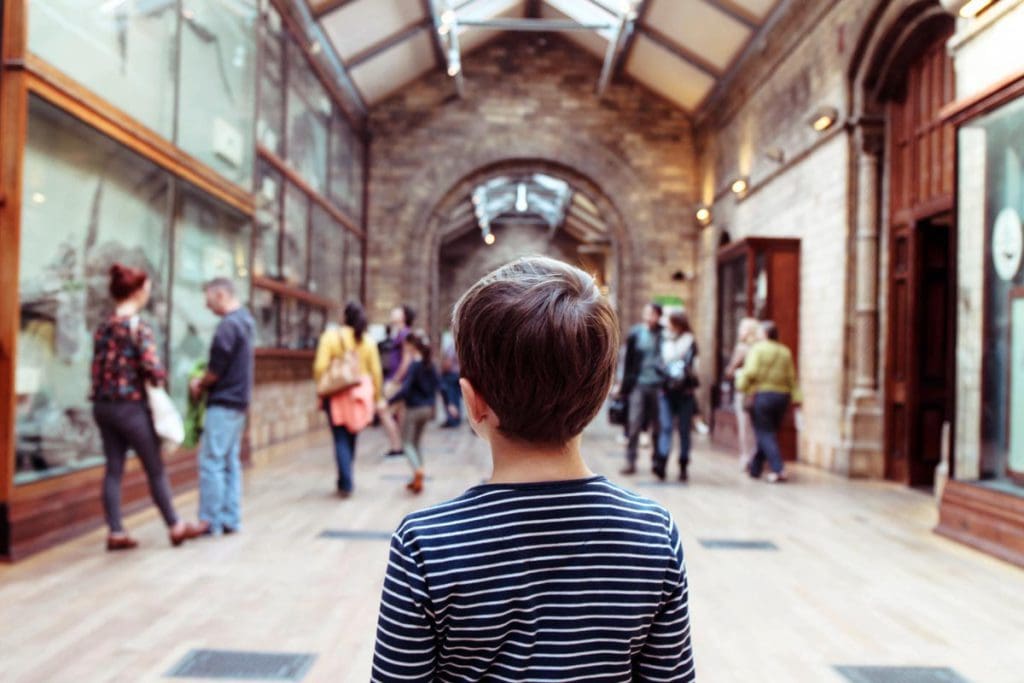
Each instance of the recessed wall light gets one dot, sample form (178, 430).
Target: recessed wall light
(824, 118)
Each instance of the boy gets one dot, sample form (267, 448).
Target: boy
(547, 572)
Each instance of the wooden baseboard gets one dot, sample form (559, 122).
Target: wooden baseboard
(983, 518)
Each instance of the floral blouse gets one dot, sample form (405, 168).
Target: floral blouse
(124, 360)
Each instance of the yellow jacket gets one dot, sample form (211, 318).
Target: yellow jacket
(769, 367)
(335, 343)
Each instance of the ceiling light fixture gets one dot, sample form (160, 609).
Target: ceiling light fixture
(974, 7)
(823, 119)
(489, 239)
(448, 17)
(704, 215)
(739, 186)
(38, 197)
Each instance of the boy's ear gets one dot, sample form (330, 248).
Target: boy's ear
(476, 407)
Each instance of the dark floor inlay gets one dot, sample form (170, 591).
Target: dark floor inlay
(900, 674)
(736, 544)
(236, 664)
(356, 535)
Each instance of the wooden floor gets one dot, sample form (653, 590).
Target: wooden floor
(857, 579)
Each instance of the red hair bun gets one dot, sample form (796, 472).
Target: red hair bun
(125, 281)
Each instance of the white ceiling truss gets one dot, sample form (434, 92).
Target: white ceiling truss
(678, 48)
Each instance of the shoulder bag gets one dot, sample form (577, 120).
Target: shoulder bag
(342, 373)
(167, 420)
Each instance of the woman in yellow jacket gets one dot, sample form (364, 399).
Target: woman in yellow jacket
(770, 377)
(335, 343)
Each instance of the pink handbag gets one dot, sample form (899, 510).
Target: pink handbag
(353, 408)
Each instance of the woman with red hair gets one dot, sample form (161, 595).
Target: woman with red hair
(125, 360)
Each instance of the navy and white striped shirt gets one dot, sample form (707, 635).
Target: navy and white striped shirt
(558, 581)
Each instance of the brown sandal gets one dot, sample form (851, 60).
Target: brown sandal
(115, 543)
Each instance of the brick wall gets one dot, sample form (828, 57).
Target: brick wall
(284, 404)
(530, 99)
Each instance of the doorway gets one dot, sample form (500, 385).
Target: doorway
(920, 363)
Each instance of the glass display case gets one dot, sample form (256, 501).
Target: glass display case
(758, 278)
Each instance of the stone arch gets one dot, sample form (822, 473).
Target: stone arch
(603, 176)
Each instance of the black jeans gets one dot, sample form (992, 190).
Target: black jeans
(643, 411)
(769, 409)
(124, 425)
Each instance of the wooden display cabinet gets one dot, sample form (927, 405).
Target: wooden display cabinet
(759, 278)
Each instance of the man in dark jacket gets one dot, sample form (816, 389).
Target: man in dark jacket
(642, 379)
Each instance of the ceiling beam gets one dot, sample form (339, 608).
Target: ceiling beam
(327, 6)
(611, 54)
(627, 49)
(737, 12)
(513, 24)
(533, 8)
(435, 25)
(602, 5)
(388, 42)
(689, 56)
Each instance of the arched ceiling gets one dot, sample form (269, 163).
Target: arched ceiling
(678, 48)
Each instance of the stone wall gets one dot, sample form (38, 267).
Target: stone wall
(530, 99)
(803, 184)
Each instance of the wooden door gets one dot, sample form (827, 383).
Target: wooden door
(919, 362)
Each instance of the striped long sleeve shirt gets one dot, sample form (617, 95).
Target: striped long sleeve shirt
(559, 581)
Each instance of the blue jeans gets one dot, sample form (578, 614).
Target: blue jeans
(677, 407)
(220, 470)
(769, 409)
(451, 392)
(344, 454)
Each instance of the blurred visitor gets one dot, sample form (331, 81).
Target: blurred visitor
(395, 365)
(227, 384)
(451, 393)
(125, 361)
(351, 409)
(642, 380)
(419, 392)
(748, 334)
(769, 376)
(677, 404)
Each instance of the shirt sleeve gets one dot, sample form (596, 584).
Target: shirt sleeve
(667, 654)
(405, 649)
(149, 356)
(746, 381)
(222, 347)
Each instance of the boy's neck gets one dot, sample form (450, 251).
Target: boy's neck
(519, 463)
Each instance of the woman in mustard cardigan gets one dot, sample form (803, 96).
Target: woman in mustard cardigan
(770, 377)
(335, 343)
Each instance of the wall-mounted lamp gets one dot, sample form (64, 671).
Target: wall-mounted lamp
(454, 65)
(38, 198)
(824, 118)
(974, 7)
(739, 186)
(703, 215)
(489, 239)
(314, 47)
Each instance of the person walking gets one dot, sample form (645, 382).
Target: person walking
(748, 334)
(125, 361)
(419, 392)
(451, 393)
(677, 403)
(642, 380)
(395, 365)
(227, 384)
(350, 340)
(770, 377)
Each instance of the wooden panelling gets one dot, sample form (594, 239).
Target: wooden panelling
(53, 510)
(53, 86)
(983, 518)
(13, 126)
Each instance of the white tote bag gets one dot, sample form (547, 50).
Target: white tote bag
(166, 419)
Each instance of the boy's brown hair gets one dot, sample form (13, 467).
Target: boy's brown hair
(539, 343)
